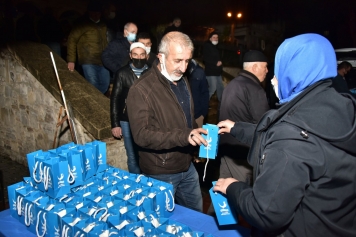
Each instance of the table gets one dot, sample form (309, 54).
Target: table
(195, 220)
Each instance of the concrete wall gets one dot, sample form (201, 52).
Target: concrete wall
(29, 114)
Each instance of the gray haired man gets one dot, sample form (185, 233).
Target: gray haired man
(161, 115)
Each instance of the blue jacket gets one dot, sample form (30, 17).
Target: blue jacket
(200, 89)
(116, 54)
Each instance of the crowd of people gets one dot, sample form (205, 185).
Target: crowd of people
(287, 169)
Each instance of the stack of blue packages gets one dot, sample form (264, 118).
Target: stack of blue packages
(73, 192)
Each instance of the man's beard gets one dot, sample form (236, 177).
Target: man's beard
(174, 77)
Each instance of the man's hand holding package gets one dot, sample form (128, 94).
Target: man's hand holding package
(195, 139)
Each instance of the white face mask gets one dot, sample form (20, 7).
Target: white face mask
(274, 83)
(112, 15)
(164, 72)
(95, 21)
(148, 50)
(214, 42)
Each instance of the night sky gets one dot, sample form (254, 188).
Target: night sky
(300, 16)
(335, 17)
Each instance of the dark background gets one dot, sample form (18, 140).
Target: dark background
(335, 19)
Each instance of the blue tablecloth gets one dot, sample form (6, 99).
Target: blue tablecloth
(195, 220)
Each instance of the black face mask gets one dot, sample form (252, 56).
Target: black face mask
(139, 63)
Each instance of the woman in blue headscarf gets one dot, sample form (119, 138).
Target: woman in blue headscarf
(304, 153)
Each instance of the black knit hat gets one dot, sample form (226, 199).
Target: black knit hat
(254, 56)
(213, 33)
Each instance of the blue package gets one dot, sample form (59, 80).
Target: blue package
(222, 209)
(211, 150)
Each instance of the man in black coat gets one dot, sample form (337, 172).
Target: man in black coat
(213, 65)
(174, 26)
(243, 100)
(123, 80)
(117, 53)
(339, 82)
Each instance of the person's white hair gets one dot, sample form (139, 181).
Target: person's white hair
(247, 65)
(177, 37)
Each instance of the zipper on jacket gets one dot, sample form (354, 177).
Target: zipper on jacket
(164, 160)
(262, 160)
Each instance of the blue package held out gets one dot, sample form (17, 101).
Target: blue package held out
(222, 209)
(211, 150)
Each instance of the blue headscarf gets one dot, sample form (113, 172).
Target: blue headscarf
(300, 62)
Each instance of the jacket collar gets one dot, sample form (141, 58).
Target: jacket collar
(250, 75)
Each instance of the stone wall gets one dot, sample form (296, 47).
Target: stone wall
(30, 100)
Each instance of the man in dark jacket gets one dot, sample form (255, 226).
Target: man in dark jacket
(200, 91)
(123, 80)
(213, 65)
(304, 153)
(243, 100)
(161, 115)
(339, 82)
(174, 26)
(117, 53)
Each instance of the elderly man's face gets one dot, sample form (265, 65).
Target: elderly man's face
(177, 60)
(131, 29)
(260, 70)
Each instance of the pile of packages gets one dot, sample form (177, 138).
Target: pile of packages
(73, 192)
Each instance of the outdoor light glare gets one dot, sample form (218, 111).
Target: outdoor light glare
(239, 15)
(229, 14)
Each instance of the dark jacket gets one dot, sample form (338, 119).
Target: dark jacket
(200, 89)
(151, 59)
(159, 125)
(87, 40)
(172, 28)
(116, 54)
(304, 159)
(123, 80)
(243, 100)
(211, 56)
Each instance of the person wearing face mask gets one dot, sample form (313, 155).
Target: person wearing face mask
(117, 53)
(123, 80)
(145, 38)
(87, 39)
(213, 65)
(161, 114)
(303, 153)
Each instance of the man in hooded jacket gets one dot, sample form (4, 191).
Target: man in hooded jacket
(303, 153)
